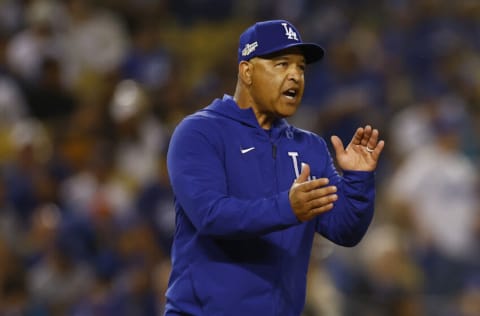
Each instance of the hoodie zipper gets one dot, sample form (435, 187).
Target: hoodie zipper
(278, 282)
(274, 151)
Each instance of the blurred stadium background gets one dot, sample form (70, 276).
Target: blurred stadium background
(91, 90)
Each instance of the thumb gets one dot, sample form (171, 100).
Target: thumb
(337, 144)
(304, 174)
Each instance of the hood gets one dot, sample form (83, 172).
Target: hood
(227, 107)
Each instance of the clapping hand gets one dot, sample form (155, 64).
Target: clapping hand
(362, 153)
(310, 198)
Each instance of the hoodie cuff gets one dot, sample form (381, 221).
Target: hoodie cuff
(360, 184)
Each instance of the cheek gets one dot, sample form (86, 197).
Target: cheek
(266, 86)
(267, 78)
(300, 92)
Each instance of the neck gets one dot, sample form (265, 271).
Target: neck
(245, 101)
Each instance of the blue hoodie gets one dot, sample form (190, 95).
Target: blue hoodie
(238, 247)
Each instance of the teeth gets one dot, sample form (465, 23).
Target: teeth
(291, 93)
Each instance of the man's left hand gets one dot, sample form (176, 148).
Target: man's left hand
(362, 153)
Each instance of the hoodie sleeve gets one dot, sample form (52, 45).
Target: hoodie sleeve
(197, 176)
(348, 221)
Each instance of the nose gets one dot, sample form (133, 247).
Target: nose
(295, 73)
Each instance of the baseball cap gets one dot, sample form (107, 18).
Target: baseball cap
(268, 37)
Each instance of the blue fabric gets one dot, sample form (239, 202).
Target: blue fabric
(238, 247)
(267, 37)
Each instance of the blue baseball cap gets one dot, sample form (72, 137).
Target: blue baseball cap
(268, 37)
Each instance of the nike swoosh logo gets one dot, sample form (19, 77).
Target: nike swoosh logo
(246, 150)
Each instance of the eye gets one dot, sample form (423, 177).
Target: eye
(282, 64)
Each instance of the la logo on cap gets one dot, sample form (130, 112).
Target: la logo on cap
(289, 32)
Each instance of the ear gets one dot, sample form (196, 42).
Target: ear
(245, 70)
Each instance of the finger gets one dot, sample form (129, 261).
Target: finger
(367, 133)
(378, 149)
(338, 144)
(357, 137)
(372, 141)
(324, 200)
(320, 210)
(304, 174)
(318, 194)
(312, 185)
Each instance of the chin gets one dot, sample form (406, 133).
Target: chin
(286, 114)
(289, 110)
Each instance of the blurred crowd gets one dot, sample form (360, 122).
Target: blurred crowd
(91, 90)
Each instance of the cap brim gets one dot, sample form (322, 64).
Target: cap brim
(311, 51)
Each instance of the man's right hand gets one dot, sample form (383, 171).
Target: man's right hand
(311, 198)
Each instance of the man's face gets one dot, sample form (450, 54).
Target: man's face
(278, 83)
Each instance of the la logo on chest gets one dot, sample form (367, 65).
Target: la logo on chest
(296, 168)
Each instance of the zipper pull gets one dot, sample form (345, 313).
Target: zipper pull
(274, 151)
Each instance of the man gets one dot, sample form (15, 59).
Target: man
(251, 190)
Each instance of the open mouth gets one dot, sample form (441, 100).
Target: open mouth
(290, 93)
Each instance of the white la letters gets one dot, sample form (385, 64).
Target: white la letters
(289, 32)
(294, 155)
